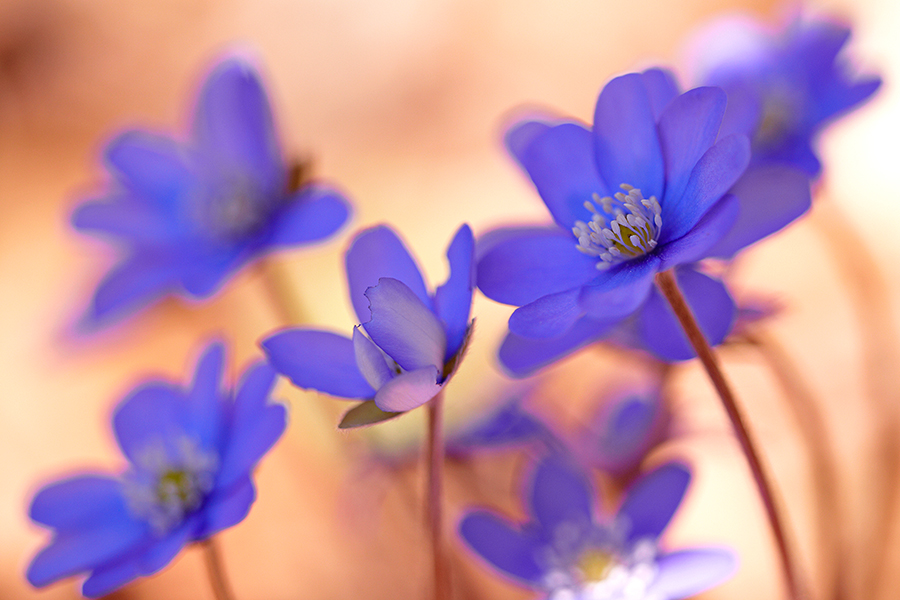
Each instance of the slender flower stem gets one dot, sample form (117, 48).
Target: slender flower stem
(220, 586)
(434, 497)
(667, 284)
(283, 296)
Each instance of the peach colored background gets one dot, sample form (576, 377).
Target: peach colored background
(401, 102)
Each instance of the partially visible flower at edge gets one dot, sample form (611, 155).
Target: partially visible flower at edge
(187, 214)
(410, 341)
(784, 87)
(685, 196)
(191, 454)
(563, 551)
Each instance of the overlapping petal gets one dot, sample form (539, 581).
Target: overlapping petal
(512, 551)
(560, 493)
(652, 501)
(686, 573)
(453, 300)
(520, 356)
(409, 390)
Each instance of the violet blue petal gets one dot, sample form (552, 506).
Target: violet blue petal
(520, 356)
(547, 317)
(155, 167)
(318, 360)
(76, 502)
(404, 327)
(626, 144)
(122, 216)
(226, 509)
(716, 171)
(375, 253)
(560, 493)
(712, 305)
(371, 360)
(503, 546)
(519, 136)
(135, 282)
(521, 268)
(409, 390)
(626, 433)
(203, 413)
(686, 573)
(109, 577)
(652, 500)
(312, 214)
(661, 89)
(453, 300)
(621, 290)
(699, 241)
(148, 417)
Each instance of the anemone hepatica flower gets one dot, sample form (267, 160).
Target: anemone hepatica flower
(410, 342)
(644, 190)
(188, 213)
(783, 87)
(191, 453)
(564, 552)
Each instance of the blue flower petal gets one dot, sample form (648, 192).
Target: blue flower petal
(319, 360)
(256, 425)
(371, 360)
(165, 549)
(687, 129)
(312, 214)
(132, 284)
(110, 577)
(547, 317)
(560, 493)
(520, 356)
(713, 307)
(503, 546)
(771, 197)
(375, 253)
(716, 171)
(76, 502)
(661, 89)
(699, 241)
(561, 165)
(686, 573)
(626, 143)
(123, 216)
(652, 501)
(233, 124)
(409, 390)
(404, 327)
(153, 414)
(453, 300)
(532, 263)
(519, 137)
(203, 413)
(619, 293)
(627, 432)
(155, 167)
(226, 509)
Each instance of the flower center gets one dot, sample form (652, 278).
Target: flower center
(234, 209)
(169, 482)
(627, 226)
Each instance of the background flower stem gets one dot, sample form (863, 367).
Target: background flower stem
(667, 284)
(434, 497)
(282, 295)
(221, 589)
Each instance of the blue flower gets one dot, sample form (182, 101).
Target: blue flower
(410, 341)
(191, 453)
(507, 425)
(783, 87)
(565, 553)
(187, 214)
(651, 186)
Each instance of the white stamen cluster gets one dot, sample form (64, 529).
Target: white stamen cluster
(170, 483)
(627, 227)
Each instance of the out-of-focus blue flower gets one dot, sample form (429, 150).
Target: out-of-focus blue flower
(189, 213)
(783, 86)
(191, 453)
(410, 342)
(565, 553)
(651, 186)
(508, 424)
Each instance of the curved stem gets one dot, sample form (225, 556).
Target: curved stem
(434, 496)
(217, 580)
(666, 283)
(282, 295)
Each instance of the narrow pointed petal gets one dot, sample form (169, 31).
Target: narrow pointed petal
(661, 89)
(312, 214)
(318, 360)
(532, 263)
(547, 317)
(404, 327)
(129, 286)
(203, 413)
(408, 390)
(503, 546)
(453, 300)
(712, 305)
(125, 217)
(716, 171)
(652, 501)
(520, 356)
(706, 235)
(686, 573)
(152, 414)
(770, 197)
(375, 253)
(560, 493)
(687, 129)
(370, 360)
(560, 162)
(626, 143)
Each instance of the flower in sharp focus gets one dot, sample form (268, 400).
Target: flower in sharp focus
(649, 187)
(783, 86)
(564, 552)
(410, 341)
(188, 213)
(191, 453)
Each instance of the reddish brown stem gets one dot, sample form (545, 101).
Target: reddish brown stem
(213, 560)
(667, 284)
(434, 497)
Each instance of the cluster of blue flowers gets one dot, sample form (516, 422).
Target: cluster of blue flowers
(662, 180)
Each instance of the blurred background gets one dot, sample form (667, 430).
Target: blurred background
(402, 103)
